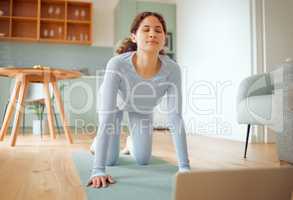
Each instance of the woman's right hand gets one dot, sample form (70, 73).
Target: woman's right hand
(101, 181)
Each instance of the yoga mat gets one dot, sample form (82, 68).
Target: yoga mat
(144, 182)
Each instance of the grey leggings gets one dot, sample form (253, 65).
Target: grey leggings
(141, 127)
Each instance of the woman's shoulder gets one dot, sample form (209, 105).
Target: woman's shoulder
(118, 62)
(171, 65)
(120, 59)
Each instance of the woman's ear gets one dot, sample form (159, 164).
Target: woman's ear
(133, 38)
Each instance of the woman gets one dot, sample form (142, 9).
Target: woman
(141, 74)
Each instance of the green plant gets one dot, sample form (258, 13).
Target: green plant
(38, 109)
(61, 88)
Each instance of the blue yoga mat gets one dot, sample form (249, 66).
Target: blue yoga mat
(153, 181)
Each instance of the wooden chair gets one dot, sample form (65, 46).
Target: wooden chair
(35, 95)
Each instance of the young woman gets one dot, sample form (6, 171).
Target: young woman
(140, 75)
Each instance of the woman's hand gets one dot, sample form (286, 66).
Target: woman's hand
(101, 181)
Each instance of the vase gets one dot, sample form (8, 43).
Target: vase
(129, 144)
(39, 126)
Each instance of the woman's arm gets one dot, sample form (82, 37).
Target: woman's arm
(107, 112)
(175, 120)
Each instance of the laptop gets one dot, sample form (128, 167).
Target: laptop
(235, 184)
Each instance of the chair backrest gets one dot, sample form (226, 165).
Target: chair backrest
(255, 85)
(35, 92)
(240, 184)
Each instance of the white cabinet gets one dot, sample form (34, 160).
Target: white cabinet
(80, 102)
(81, 99)
(160, 116)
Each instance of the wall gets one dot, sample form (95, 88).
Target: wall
(278, 32)
(126, 10)
(273, 42)
(103, 19)
(214, 51)
(103, 22)
(55, 55)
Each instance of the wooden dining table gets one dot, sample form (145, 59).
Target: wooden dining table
(37, 74)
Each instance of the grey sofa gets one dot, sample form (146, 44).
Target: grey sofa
(266, 99)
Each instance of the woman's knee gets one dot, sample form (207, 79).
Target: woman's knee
(142, 159)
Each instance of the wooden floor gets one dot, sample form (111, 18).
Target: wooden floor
(43, 169)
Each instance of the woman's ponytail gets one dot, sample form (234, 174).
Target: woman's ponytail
(125, 45)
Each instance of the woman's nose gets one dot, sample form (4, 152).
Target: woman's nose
(152, 35)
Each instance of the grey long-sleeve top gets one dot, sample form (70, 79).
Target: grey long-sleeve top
(123, 88)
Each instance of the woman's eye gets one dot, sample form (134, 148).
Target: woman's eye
(148, 29)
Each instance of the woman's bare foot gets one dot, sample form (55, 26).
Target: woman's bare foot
(125, 151)
(128, 147)
(92, 147)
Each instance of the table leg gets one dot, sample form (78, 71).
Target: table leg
(10, 109)
(19, 110)
(49, 109)
(61, 109)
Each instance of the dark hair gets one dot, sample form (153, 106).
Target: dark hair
(127, 44)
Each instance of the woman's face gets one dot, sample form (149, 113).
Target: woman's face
(150, 35)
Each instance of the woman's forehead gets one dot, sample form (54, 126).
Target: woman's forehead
(151, 21)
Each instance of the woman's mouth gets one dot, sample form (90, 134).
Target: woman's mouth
(152, 42)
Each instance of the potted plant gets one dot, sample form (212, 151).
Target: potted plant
(38, 123)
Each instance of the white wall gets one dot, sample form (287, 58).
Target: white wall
(273, 41)
(214, 51)
(278, 32)
(160, 1)
(103, 21)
